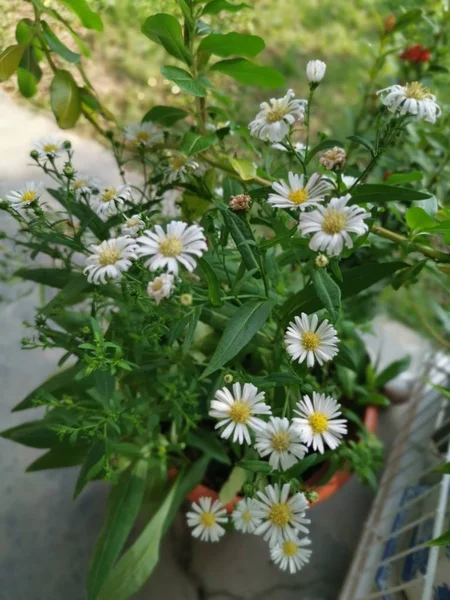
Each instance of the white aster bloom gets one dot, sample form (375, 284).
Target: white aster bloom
(170, 209)
(317, 422)
(331, 225)
(108, 199)
(291, 555)
(176, 245)
(143, 134)
(237, 411)
(180, 167)
(315, 71)
(83, 184)
(305, 340)
(110, 259)
(282, 517)
(281, 441)
(25, 196)
(205, 519)
(49, 147)
(274, 120)
(298, 147)
(133, 225)
(349, 180)
(411, 99)
(244, 517)
(161, 287)
(299, 194)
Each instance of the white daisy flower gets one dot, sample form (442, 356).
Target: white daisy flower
(298, 147)
(331, 225)
(317, 422)
(315, 71)
(181, 166)
(298, 194)
(205, 519)
(49, 147)
(169, 207)
(161, 287)
(110, 259)
(132, 226)
(177, 245)
(237, 411)
(348, 180)
(274, 120)
(282, 517)
(244, 517)
(143, 134)
(411, 99)
(83, 184)
(27, 195)
(108, 199)
(304, 340)
(282, 441)
(291, 555)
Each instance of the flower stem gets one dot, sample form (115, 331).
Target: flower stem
(402, 240)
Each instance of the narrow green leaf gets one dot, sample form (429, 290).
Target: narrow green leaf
(94, 463)
(444, 469)
(360, 140)
(210, 275)
(184, 81)
(380, 192)
(443, 540)
(59, 458)
(192, 143)
(52, 277)
(35, 434)
(255, 466)
(209, 443)
(65, 99)
(192, 326)
(306, 463)
(245, 168)
(243, 239)
(328, 292)
(232, 44)
(164, 29)
(248, 73)
(10, 59)
(87, 216)
(397, 178)
(392, 370)
(216, 6)
(88, 18)
(407, 18)
(165, 115)
(57, 46)
(233, 485)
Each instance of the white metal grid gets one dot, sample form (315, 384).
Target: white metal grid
(412, 498)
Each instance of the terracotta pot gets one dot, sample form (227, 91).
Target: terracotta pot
(338, 480)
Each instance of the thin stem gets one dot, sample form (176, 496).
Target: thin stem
(308, 113)
(402, 241)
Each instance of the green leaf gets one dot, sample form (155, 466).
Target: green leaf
(192, 326)
(243, 71)
(192, 143)
(184, 81)
(397, 178)
(105, 385)
(58, 458)
(233, 485)
(57, 278)
(136, 565)
(215, 6)
(65, 99)
(124, 503)
(87, 216)
(232, 44)
(25, 31)
(29, 73)
(208, 443)
(255, 466)
(444, 469)
(328, 292)
(57, 46)
(380, 192)
(407, 18)
(418, 220)
(245, 168)
(375, 399)
(164, 29)
(443, 540)
(242, 237)
(35, 434)
(392, 370)
(239, 331)
(210, 275)
(88, 18)
(441, 227)
(360, 140)
(165, 115)
(92, 466)
(323, 145)
(306, 463)
(10, 59)
(408, 275)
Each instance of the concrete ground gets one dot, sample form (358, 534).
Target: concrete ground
(46, 538)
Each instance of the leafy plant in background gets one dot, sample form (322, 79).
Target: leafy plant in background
(207, 315)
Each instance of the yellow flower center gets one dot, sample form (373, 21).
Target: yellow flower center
(49, 148)
(171, 246)
(157, 284)
(280, 441)
(109, 194)
(275, 114)
(246, 516)
(177, 162)
(28, 196)
(240, 412)
(417, 91)
(318, 422)
(79, 183)
(280, 514)
(109, 256)
(132, 222)
(310, 341)
(334, 221)
(207, 519)
(289, 548)
(298, 196)
(142, 136)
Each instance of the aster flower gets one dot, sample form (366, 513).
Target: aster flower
(244, 517)
(298, 194)
(161, 287)
(170, 209)
(176, 245)
(133, 225)
(180, 167)
(411, 99)
(282, 517)
(298, 147)
(305, 340)
(49, 147)
(109, 199)
(143, 134)
(349, 180)
(334, 159)
(110, 259)
(274, 120)
(240, 202)
(205, 519)
(331, 225)
(315, 71)
(25, 196)
(83, 184)
(237, 411)
(291, 555)
(280, 441)
(317, 422)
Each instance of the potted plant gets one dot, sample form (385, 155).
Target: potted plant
(206, 316)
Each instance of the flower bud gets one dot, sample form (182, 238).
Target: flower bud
(321, 261)
(68, 171)
(186, 299)
(315, 71)
(240, 202)
(334, 159)
(389, 23)
(312, 496)
(228, 378)
(67, 145)
(34, 154)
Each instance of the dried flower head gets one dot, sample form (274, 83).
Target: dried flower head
(240, 202)
(334, 159)
(389, 23)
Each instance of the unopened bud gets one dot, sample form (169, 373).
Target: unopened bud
(248, 489)
(68, 171)
(334, 159)
(186, 299)
(34, 154)
(240, 202)
(67, 145)
(389, 23)
(321, 261)
(312, 496)
(228, 378)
